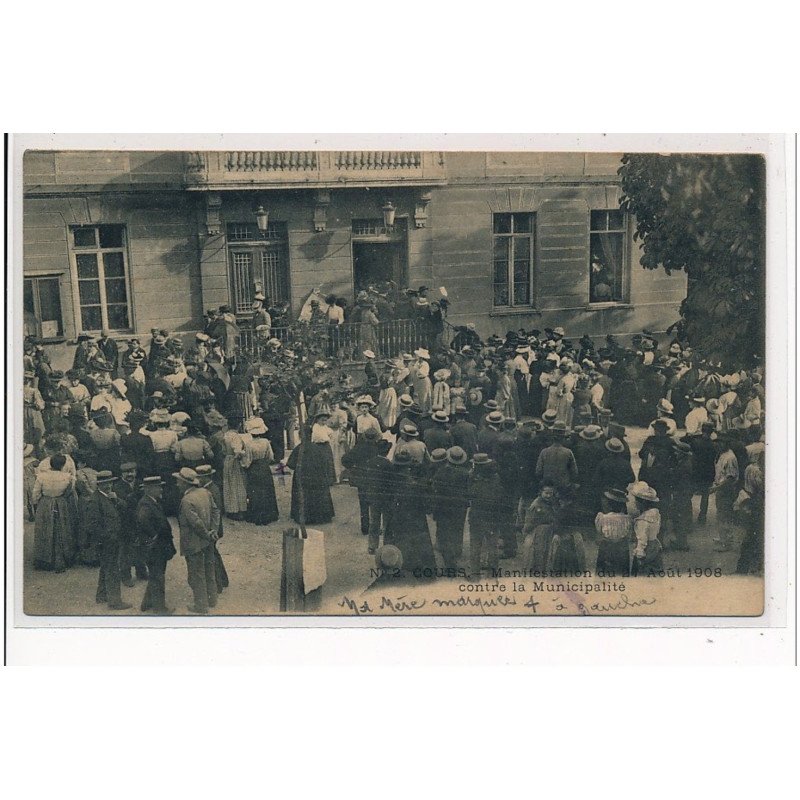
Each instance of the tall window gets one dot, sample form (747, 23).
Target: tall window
(607, 257)
(101, 265)
(513, 260)
(258, 263)
(42, 304)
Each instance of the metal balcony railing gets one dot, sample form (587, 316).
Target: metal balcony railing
(349, 340)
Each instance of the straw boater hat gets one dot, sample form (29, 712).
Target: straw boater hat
(456, 455)
(441, 374)
(664, 406)
(614, 445)
(481, 460)
(438, 455)
(617, 495)
(105, 476)
(421, 352)
(187, 475)
(440, 416)
(152, 480)
(643, 491)
(549, 417)
(369, 354)
(406, 400)
(591, 432)
(494, 417)
(409, 429)
(205, 471)
(364, 400)
(559, 427)
(491, 405)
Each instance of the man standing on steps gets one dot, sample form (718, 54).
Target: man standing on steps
(108, 533)
(198, 518)
(155, 539)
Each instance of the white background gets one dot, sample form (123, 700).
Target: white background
(406, 67)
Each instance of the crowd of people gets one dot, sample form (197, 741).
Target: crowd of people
(519, 440)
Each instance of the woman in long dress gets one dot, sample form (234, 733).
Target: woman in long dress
(316, 475)
(54, 532)
(237, 459)
(539, 529)
(421, 382)
(337, 422)
(387, 404)
(262, 503)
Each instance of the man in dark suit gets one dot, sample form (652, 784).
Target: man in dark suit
(108, 533)
(155, 538)
(108, 347)
(131, 556)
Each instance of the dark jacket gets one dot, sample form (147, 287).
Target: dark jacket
(437, 437)
(465, 435)
(153, 528)
(450, 491)
(356, 460)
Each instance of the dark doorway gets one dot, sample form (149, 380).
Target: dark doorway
(376, 262)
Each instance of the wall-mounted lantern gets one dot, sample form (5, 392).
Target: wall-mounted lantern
(388, 215)
(262, 220)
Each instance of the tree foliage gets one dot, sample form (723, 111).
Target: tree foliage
(705, 214)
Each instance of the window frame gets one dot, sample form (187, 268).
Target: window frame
(37, 303)
(255, 246)
(98, 251)
(512, 235)
(625, 231)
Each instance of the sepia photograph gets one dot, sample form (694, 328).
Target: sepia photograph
(392, 383)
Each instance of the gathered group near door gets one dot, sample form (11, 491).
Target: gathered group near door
(461, 453)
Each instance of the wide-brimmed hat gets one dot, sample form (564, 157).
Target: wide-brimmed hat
(614, 445)
(255, 426)
(591, 432)
(494, 417)
(664, 406)
(389, 557)
(205, 471)
(440, 416)
(549, 417)
(369, 354)
(441, 374)
(438, 455)
(187, 475)
(481, 459)
(421, 352)
(365, 400)
(643, 491)
(617, 495)
(409, 429)
(457, 455)
(406, 400)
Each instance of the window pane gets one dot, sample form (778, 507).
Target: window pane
(91, 318)
(89, 292)
(606, 269)
(118, 317)
(111, 236)
(116, 292)
(113, 265)
(50, 300)
(27, 297)
(87, 265)
(84, 237)
(522, 223)
(501, 294)
(616, 220)
(599, 220)
(502, 223)
(522, 294)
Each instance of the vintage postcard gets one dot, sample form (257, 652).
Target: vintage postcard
(316, 382)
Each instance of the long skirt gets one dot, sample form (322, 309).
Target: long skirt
(54, 534)
(318, 503)
(450, 535)
(613, 558)
(535, 548)
(567, 554)
(262, 505)
(234, 487)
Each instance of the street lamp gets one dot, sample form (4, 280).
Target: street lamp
(262, 220)
(388, 215)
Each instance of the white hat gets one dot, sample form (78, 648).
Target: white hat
(644, 491)
(369, 354)
(421, 352)
(559, 331)
(255, 426)
(364, 399)
(202, 337)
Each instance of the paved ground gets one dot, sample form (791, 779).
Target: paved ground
(252, 556)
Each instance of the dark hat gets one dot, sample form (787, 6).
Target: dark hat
(617, 495)
(372, 435)
(509, 423)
